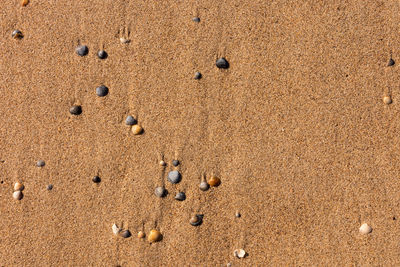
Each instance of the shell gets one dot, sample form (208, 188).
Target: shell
(141, 234)
(365, 229)
(154, 236)
(222, 63)
(391, 62)
(24, 2)
(162, 163)
(102, 54)
(160, 191)
(40, 163)
(197, 76)
(96, 179)
(387, 100)
(81, 50)
(175, 162)
(196, 220)
(102, 90)
(18, 186)
(214, 181)
(174, 177)
(124, 41)
(17, 34)
(240, 253)
(180, 196)
(130, 120)
(17, 195)
(204, 186)
(137, 129)
(125, 233)
(237, 214)
(75, 110)
(115, 229)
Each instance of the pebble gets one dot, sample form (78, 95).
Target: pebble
(237, 214)
(214, 181)
(75, 110)
(137, 129)
(228, 264)
(196, 220)
(365, 229)
(17, 195)
(222, 63)
(162, 163)
(141, 234)
(24, 2)
(240, 253)
(174, 177)
(196, 19)
(197, 76)
(130, 120)
(125, 233)
(102, 90)
(180, 196)
(82, 50)
(17, 34)
(391, 62)
(175, 162)
(18, 186)
(204, 186)
(154, 236)
(102, 54)
(387, 100)
(160, 191)
(124, 41)
(96, 179)
(115, 229)
(50, 187)
(40, 163)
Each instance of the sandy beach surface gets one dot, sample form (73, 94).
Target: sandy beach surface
(297, 129)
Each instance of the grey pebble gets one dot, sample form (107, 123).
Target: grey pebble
(160, 191)
(75, 110)
(180, 196)
(391, 62)
(197, 76)
(82, 50)
(175, 162)
(174, 177)
(40, 163)
(130, 120)
(102, 54)
(196, 19)
(102, 90)
(204, 186)
(125, 234)
(222, 63)
(49, 187)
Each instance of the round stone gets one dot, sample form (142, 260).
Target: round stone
(18, 186)
(196, 19)
(40, 163)
(391, 62)
(237, 214)
(204, 186)
(137, 129)
(154, 236)
(82, 50)
(102, 90)
(75, 110)
(387, 100)
(240, 253)
(17, 34)
(24, 2)
(125, 233)
(214, 181)
(196, 220)
(175, 162)
(160, 191)
(49, 187)
(162, 163)
(17, 195)
(96, 179)
(222, 63)
(130, 120)
(141, 234)
(174, 177)
(102, 54)
(180, 196)
(365, 229)
(197, 75)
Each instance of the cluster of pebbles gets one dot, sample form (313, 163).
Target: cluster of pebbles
(154, 235)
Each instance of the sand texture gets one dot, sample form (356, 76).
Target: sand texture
(296, 129)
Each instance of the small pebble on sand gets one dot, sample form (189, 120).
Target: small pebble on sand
(387, 100)
(365, 229)
(237, 214)
(196, 19)
(17, 34)
(96, 179)
(18, 186)
(196, 220)
(391, 62)
(137, 129)
(214, 181)
(75, 110)
(82, 50)
(130, 120)
(180, 196)
(102, 54)
(174, 177)
(175, 162)
(197, 76)
(115, 229)
(222, 63)
(49, 187)
(17, 195)
(229, 264)
(141, 234)
(204, 186)
(154, 236)
(160, 191)
(125, 233)
(162, 163)
(124, 41)
(40, 163)
(240, 253)
(24, 2)
(102, 90)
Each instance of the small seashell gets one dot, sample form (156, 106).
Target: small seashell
(160, 191)
(222, 63)
(96, 179)
(102, 54)
(82, 50)
(162, 163)
(124, 41)
(154, 236)
(196, 19)
(49, 187)
(75, 110)
(196, 220)
(102, 90)
(391, 62)
(141, 234)
(40, 163)
(24, 2)
(180, 196)
(214, 181)
(387, 100)
(204, 186)
(240, 253)
(115, 229)
(137, 129)
(365, 229)
(197, 76)
(237, 214)
(18, 186)
(18, 195)
(17, 34)
(130, 120)
(174, 177)
(175, 162)
(125, 233)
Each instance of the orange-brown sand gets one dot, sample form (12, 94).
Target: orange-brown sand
(296, 129)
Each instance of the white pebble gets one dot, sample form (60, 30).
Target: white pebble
(124, 41)
(240, 253)
(115, 229)
(365, 229)
(17, 195)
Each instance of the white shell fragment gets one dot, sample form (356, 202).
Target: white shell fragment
(124, 41)
(365, 229)
(240, 253)
(115, 229)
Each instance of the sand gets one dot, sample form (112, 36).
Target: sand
(296, 129)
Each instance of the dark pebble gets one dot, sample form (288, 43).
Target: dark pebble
(180, 196)
(130, 120)
(96, 179)
(82, 50)
(196, 220)
(102, 90)
(40, 163)
(222, 63)
(17, 34)
(49, 187)
(75, 110)
(391, 62)
(196, 19)
(125, 234)
(102, 54)
(175, 162)
(197, 75)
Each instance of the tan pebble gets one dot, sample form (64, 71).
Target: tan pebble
(18, 186)
(17, 195)
(124, 41)
(365, 229)
(387, 100)
(162, 163)
(214, 181)
(154, 236)
(24, 2)
(137, 129)
(240, 253)
(141, 234)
